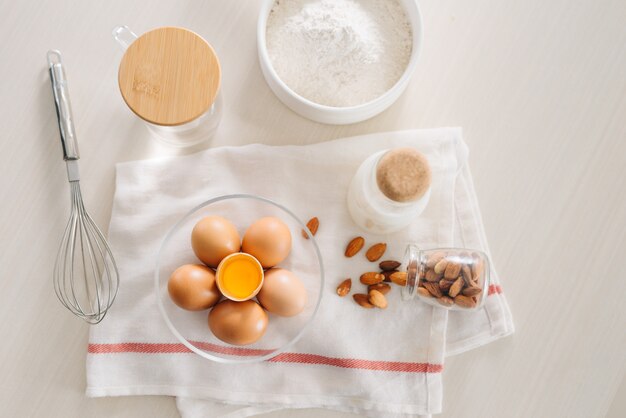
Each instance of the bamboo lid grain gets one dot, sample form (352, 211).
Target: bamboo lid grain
(169, 76)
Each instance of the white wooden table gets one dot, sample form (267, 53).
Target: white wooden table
(540, 90)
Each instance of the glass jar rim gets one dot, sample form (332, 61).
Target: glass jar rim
(413, 265)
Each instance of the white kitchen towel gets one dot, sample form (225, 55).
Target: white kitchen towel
(373, 362)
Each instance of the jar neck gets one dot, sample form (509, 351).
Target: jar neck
(414, 264)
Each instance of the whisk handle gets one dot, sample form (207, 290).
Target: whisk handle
(63, 106)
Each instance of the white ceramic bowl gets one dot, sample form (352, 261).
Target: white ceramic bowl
(329, 114)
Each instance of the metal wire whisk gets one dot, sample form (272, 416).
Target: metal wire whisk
(85, 274)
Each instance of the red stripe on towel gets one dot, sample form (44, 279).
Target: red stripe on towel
(495, 289)
(350, 363)
(166, 348)
(302, 358)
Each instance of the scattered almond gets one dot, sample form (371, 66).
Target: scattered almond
(354, 246)
(456, 287)
(371, 278)
(376, 251)
(399, 278)
(446, 301)
(389, 265)
(362, 300)
(344, 287)
(434, 289)
(383, 288)
(377, 299)
(312, 225)
(388, 274)
(465, 301)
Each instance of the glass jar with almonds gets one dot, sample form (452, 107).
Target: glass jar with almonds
(454, 278)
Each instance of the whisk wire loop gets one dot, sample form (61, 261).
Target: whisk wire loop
(86, 278)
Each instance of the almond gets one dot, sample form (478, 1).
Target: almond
(467, 274)
(377, 299)
(422, 291)
(388, 274)
(312, 225)
(465, 301)
(389, 265)
(434, 258)
(399, 278)
(446, 301)
(440, 267)
(433, 288)
(472, 291)
(376, 251)
(456, 287)
(354, 246)
(453, 269)
(344, 287)
(371, 278)
(362, 300)
(444, 285)
(383, 288)
(431, 276)
(477, 268)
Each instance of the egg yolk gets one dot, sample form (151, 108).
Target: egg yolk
(240, 276)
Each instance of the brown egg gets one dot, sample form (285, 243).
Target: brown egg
(282, 293)
(238, 323)
(213, 238)
(268, 240)
(193, 287)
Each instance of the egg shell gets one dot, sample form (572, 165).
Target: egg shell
(282, 293)
(268, 240)
(193, 287)
(213, 238)
(238, 323)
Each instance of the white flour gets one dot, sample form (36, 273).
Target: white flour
(339, 52)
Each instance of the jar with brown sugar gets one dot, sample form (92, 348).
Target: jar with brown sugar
(389, 190)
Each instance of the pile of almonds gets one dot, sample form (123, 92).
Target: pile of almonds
(453, 278)
(377, 282)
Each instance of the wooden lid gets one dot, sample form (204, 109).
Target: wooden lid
(403, 174)
(169, 76)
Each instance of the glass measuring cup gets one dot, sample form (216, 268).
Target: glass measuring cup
(170, 77)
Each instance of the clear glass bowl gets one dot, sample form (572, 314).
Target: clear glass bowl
(191, 328)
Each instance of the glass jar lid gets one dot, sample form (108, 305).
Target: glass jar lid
(169, 76)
